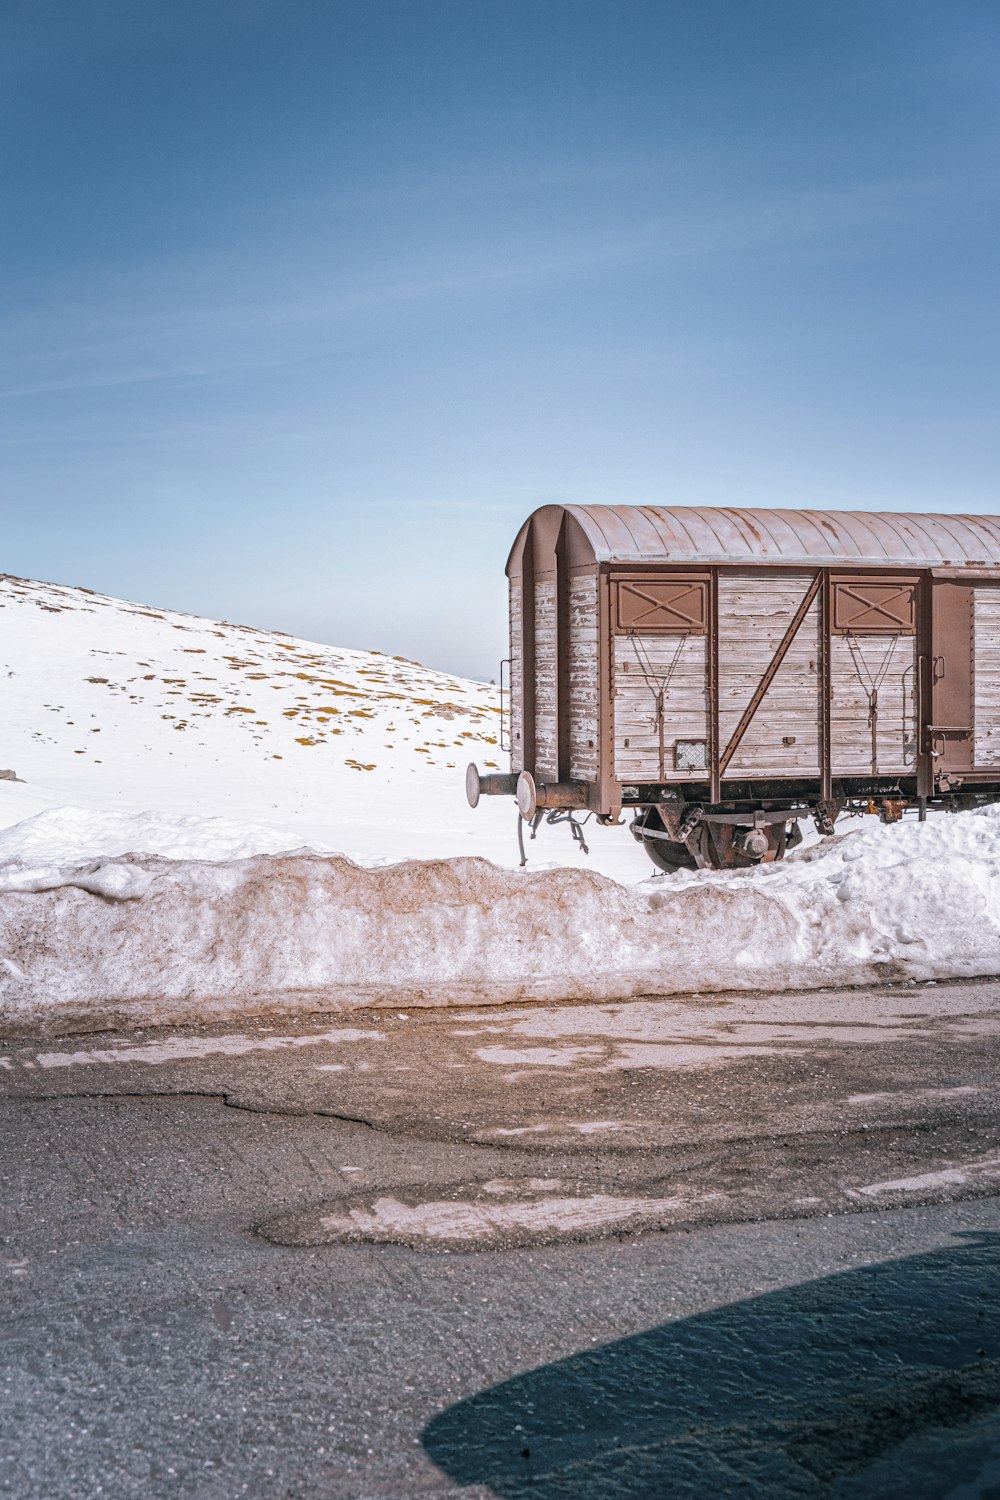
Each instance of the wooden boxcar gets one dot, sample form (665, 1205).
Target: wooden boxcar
(722, 673)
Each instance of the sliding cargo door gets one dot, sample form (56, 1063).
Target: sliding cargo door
(950, 729)
(873, 675)
(660, 677)
(770, 674)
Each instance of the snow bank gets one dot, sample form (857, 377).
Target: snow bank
(141, 936)
(72, 846)
(66, 835)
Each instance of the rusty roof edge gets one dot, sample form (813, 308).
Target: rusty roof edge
(910, 538)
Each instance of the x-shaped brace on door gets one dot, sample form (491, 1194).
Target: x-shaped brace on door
(669, 607)
(874, 607)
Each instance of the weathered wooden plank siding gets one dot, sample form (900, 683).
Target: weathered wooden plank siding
(516, 731)
(986, 676)
(755, 610)
(546, 691)
(642, 665)
(852, 671)
(584, 677)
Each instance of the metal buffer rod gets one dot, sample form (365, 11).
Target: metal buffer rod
(532, 798)
(477, 786)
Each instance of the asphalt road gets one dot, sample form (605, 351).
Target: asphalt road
(744, 1245)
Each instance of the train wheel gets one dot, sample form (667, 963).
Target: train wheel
(666, 854)
(733, 847)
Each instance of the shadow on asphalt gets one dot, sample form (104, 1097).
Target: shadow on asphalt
(880, 1382)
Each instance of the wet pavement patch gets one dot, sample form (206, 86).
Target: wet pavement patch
(544, 1125)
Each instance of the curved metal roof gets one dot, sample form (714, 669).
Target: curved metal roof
(703, 534)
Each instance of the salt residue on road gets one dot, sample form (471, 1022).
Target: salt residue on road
(185, 1048)
(481, 1216)
(141, 936)
(476, 1225)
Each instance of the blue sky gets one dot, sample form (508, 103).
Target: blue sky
(306, 305)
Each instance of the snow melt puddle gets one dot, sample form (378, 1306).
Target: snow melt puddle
(176, 1048)
(947, 1177)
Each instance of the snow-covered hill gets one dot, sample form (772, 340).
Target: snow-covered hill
(114, 708)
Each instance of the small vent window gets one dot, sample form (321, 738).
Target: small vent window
(691, 755)
(867, 606)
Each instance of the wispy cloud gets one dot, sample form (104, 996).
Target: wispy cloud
(211, 318)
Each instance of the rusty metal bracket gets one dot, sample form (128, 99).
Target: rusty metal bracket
(827, 811)
(754, 818)
(770, 674)
(693, 832)
(640, 832)
(690, 822)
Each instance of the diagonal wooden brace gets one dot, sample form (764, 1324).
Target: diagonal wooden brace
(770, 674)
